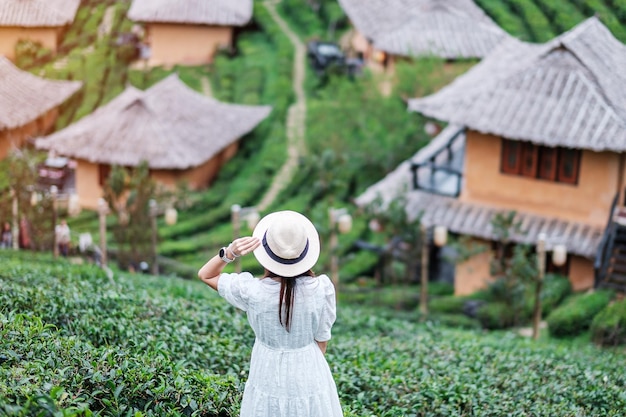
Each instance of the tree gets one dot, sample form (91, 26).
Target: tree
(513, 266)
(18, 174)
(402, 235)
(128, 192)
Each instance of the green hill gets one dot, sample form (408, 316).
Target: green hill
(355, 135)
(74, 342)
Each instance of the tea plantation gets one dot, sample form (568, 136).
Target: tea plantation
(74, 342)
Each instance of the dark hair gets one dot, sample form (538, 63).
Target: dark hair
(287, 296)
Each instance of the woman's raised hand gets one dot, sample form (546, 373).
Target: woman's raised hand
(243, 245)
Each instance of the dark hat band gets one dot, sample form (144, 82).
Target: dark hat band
(283, 260)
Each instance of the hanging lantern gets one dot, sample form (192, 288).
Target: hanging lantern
(73, 207)
(559, 255)
(103, 206)
(440, 236)
(375, 226)
(35, 198)
(431, 128)
(171, 216)
(344, 223)
(252, 219)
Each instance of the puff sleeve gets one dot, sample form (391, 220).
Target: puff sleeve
(235, 288)
(329, 310)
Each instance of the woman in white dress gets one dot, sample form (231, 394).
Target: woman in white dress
(291, 312)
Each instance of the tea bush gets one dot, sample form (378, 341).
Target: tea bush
(608, 328)
(575, 315)
(75, 343)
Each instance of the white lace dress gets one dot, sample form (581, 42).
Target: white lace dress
(289, 375)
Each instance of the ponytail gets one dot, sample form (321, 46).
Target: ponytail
(287, 297)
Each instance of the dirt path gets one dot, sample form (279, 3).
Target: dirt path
(296, 114)
(207, 90)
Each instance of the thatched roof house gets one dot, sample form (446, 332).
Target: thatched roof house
(191, 31)
(37, 13)
(28, 104)
(469, 218)
(449, 29)
(180, 134)
(38, 20)
(567, 92)
(202, 12)
(541, 130)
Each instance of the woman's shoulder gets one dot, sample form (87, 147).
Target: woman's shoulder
(319, 283)
(324, 279)
(241, 278)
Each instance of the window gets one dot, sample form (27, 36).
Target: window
(538, 161)
(103, 174)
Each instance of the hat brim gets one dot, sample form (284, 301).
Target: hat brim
(287, 270)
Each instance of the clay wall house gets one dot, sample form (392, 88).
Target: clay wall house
(536, 129)
(451, 29)
(181, 134)
(42, 21)
(28, 104)
(188, 32)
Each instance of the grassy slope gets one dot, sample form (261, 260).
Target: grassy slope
(72, 339)
(260, 74)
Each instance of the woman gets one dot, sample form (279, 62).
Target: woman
(291, 312)
(6, 241)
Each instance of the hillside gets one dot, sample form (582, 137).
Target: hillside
(74, 342)
(354, 134)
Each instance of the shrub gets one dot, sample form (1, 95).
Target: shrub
(30, 53)
(75, 343)
(447, 305)
(456, 320)
(496, 315)
(555, 289)
(608, 328)
(576, 314)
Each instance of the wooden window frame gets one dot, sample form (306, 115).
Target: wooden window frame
(510, 147)
(539, 155)
(552, 155)
(530, 153)
(561, 177)
(103, 174)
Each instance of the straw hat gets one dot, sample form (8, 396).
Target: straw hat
(290, 244)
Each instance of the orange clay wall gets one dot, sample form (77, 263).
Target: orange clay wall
(9, 36)
(589, 201)
(87, 187)
(186, 44)
(16, 138)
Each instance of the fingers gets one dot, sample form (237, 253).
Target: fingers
(244, 245)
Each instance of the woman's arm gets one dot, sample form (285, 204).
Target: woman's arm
(210, 272)
(322, 345)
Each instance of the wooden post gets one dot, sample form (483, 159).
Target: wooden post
(424, 272)
(153, 224)
(333, 243)
(102, 218)
(541, 267)
(235, 216)
(54, 193)
(15, 225)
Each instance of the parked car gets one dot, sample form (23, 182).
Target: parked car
(328, 56)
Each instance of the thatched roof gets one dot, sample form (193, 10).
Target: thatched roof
(474, 219)
(568, 92)
(202, 12)
(446, 28)
(37, 13)
(24, 97)
(169, 125)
